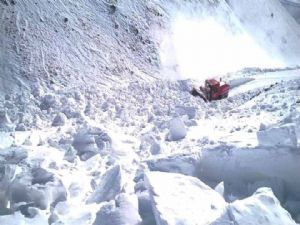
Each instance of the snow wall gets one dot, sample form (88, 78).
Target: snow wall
(244, 167)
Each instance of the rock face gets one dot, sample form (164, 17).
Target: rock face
(261, 208)
(284, 135)
(177, 130)
(109, 188)
(178, 199)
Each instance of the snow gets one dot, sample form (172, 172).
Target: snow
(96, 128)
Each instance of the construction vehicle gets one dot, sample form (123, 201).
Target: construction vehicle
(213, 90)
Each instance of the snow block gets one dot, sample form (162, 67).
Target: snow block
(284, 135)
(109, 187)
(121, 212)
(44, 192)
(180, 199)
(262, 208)
(177, 130)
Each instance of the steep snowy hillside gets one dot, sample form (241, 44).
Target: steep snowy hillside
(59, 44)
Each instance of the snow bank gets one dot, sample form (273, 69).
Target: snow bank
(179, 199)
(284, 135)
(261, 208)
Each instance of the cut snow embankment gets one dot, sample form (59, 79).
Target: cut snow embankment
(179, 199)
(242, 168)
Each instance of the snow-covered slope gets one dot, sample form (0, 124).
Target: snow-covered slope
(272, 27)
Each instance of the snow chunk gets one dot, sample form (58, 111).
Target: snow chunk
(122, 212)
(5, 123)
(59, 120)
(284, 135)
(48, 101)
(180, 199)
(33, 187)
(177, 130)
(261, 208)
(13, 155)
(155, 148)
(90, 142)
(109, 187)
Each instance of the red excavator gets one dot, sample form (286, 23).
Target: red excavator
(213, 90)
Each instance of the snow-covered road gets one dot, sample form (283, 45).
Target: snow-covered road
(265, 80)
